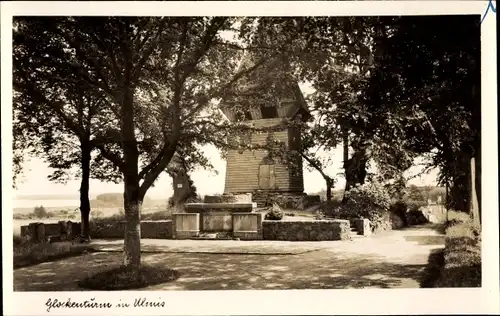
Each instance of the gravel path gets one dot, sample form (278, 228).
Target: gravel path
(390, 260)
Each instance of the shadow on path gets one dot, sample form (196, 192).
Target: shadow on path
(397, 261)
(433, 269)
(315, 270)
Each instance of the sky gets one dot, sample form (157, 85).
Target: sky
(35, 182)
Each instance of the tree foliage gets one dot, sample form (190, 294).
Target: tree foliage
(160, 81)
(434, 82)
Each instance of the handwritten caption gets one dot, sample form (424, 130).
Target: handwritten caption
(54, 303)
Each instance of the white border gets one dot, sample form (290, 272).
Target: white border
(303, 302)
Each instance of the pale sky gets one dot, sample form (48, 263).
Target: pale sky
(35, 182)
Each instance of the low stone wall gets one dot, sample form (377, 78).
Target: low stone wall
(157, 229)
(41, 232)
(149, 229)
(306, 230)
(108, 230)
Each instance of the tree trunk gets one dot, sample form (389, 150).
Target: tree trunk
(132, 197)
(345, 143)
(84, 191)
(328, 189)
(355, 171)
(477, 161)
(132, 206)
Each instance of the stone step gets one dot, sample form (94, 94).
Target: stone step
(214, 236)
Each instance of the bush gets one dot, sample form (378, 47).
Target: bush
(126, 278)
(416, 217)
(462, 253)
(19, 216)
(330, 209)
(27, 253)
(109, 219)
(40, 212)
(157, 216)
(457, 217)
(274, 213)
(409, 211)
(19, 240)
(370, 201)
(399, 208)
(97, 214)
(319, 215)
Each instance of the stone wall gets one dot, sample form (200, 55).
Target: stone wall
(149, 229)
(41, 232)
(108, 230)
(306, 230)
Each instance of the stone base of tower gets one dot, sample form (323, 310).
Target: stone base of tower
(286, 200)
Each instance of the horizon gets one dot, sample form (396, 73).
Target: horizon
(34, 181)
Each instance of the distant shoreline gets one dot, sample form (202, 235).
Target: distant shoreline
(24, 210)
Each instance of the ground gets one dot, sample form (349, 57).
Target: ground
(396, 259)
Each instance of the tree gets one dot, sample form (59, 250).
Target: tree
(183, 163)
(40, 212)
(161, 79)
(340, 53)
(340, 72)
(60, 134)
(436, 78)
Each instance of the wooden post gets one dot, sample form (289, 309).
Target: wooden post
(446, 201)
(474, 205)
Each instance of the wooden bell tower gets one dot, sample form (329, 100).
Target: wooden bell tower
(256, 171)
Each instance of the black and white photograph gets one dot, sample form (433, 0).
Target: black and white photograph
(150, 155)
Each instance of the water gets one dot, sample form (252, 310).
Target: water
(29, 205)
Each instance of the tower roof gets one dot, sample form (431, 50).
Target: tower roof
(289, 107)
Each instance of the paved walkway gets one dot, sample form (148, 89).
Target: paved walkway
(389, 260)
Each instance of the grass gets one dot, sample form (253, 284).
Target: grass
(462, 253)
(127, 278)
(28, 254)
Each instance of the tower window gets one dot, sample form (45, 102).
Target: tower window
(268, 112)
